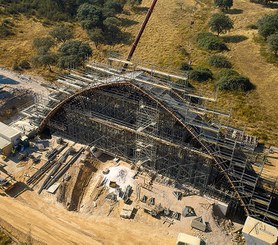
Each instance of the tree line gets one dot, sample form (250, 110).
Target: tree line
(71, 53)
(57, 10)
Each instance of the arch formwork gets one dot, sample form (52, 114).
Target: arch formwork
(159, 129)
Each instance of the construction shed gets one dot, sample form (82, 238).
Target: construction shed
(5, 147)
(9, 133)
(185, 239)
(259, 233)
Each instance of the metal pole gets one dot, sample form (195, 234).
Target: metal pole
(137, 39)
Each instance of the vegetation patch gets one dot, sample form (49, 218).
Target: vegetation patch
(268, 30)
(219, 61)
(268, 25)
(220, 23)
(185, 66)
(209, 41)
(6, 28)
(272, 42)
(226, 73)
(234, 83)
(200, 74)
(224, 5)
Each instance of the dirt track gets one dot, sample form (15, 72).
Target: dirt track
(51, 224)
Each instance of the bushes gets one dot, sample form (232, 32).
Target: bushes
(252, 27)
(231, 80)
(226, 73)
(234, 83)
(6, 28)
(268, 25)
(61, 33)
(272, 42)
(185, 67)
(200, 74)
(219, 61)
(209, 41)
(24, 65)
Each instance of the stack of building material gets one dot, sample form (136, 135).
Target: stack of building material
(127, 211)
(187, 239)
(199, 224)
(258, 232)
(9, 133)
(8, 137)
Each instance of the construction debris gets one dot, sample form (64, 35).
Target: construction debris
(176, 215)
(127, 194)
(199, 224)
(177, 194)
(188, 212)
(106, 171)
(111, 196)
(52, 189)
(127, 211)
(169, 221)
(144, 199)
(154, 211)
(151, 201)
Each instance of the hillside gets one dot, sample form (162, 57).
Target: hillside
(169, 40)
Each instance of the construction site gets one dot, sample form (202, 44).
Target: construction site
(120, 140)
(157, 134)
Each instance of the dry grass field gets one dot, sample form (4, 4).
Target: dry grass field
(169, 40)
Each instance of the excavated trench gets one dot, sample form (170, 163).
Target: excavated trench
(71, 193)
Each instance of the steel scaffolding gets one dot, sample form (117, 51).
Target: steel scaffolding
(146, 118)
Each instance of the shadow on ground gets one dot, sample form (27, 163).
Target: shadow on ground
(235, 11)
(18, 189)
(128, 22)
(234, 39)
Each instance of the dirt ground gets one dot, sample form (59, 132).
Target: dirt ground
(27, 82)
(40, 219)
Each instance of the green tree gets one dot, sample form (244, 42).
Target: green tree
(111, 8)
(90, 16)
(43, 44)
(219, 61)
(224, 5)
(73, 54)
(61, 33)
(200, 74)
(209, 41)
(112, 22)
(268, 25)
(134, 3)
(45, 60)
(272, 42)
(234, 83)
(97, 36)
(220, 23)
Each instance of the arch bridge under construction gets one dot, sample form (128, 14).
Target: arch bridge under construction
(155, 121)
